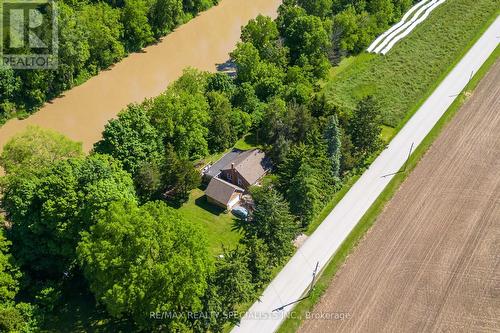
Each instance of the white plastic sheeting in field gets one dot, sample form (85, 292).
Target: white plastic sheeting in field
(416, 15)
(396, 26)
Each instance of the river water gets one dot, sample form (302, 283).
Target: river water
(204, 42)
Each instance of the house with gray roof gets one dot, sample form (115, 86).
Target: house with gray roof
(239, 169)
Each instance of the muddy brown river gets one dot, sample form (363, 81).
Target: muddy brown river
(204, 42)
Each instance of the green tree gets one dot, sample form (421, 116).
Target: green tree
(298, 122)
(354, 30)
(241, 122)
(288, 12)
(8, 82)
(137, 31)
(196, 6)
(146, 259)
(304, 195)
(299, 89)
(274, 124)
(18, 317)
(9, 86)
(35, 149)
(179, 176)
(9, 272)
(233, 284)
(13, 317)
(305, 176)
(258, 261)
(280, 149)
(261, 32)
(104, 30)
(268, 80)
(164, 16)
(308, 38)
(273, 223)
(246, 57)
(131, 138)
(192, 81)
(349, 159)
(320, 8)
(221, 135)
(246, 99)
(74, 50)
(364, 127)
(221, 82)
(182, 119)
(382, 12)
(332, 137)
(148, 180)
(34, 90)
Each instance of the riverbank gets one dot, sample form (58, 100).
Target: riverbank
(203, 43)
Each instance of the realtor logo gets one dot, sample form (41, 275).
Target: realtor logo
(28, 29)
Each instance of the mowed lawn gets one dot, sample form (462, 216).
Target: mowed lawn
(216, 223)
(404, 77)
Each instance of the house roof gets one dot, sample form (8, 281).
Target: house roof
(251, 165)
(223, 161)
(221, 191)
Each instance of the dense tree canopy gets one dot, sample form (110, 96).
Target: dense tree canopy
(232, 284)
(261, 32)
(146, 259)
(182, 118)
(14, 317)
(49, 210)
(221, 133)
(320, 8)
(137, 31)
(104, 30)
(332, 137)
(9, 273)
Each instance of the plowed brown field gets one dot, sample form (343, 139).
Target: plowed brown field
(431, 263)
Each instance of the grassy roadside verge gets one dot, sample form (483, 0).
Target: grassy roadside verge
(292, 324)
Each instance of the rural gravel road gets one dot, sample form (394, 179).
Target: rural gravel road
(293, 281)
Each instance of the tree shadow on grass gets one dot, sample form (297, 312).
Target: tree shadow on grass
(239, 225)
(204, 204)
